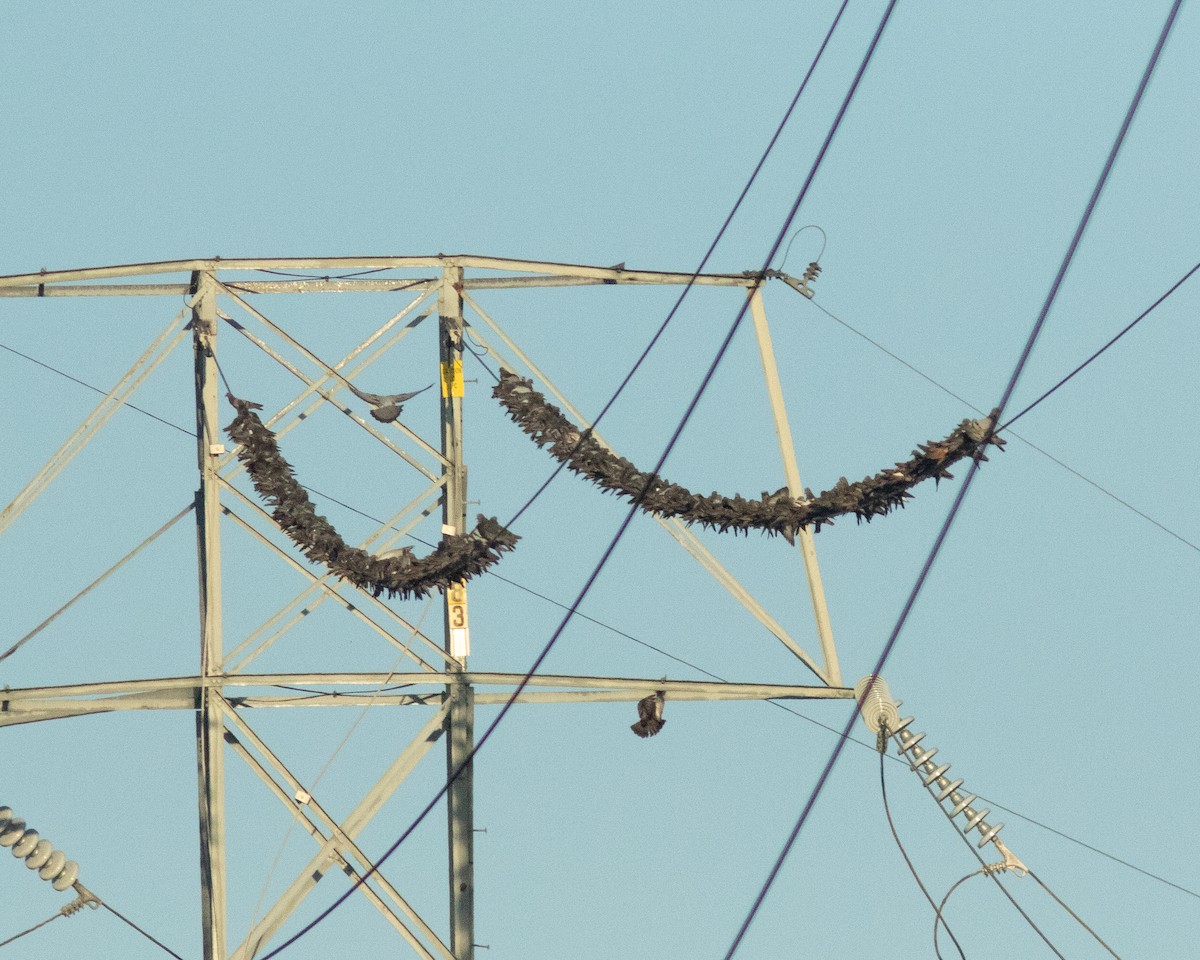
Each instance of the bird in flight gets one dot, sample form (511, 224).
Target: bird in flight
(650, 715)
(385, 408)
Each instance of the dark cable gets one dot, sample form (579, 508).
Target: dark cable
(758, 901)
(312, 276)
(1140, 317)
(954, 509)
(95, 389)
(36, 926)
(1029, 443)
(699, 669)
(704, 260)
(993, 874)
(457, 772)
(1078, 919)
(152, 939)
(940, 919)
(912, 869)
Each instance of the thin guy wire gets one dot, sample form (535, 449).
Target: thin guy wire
(699, 669)
(1029, 443)
(262, 893)
(937, 911)
(758, 901)
(457, 772)
(1078, 919)
(971, 473)
(95, 583)
(996, 880)
(1079, 368)
(36, 926)
(95, 389)
(152, 939)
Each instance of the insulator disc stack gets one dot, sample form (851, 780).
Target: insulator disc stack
(38, 854)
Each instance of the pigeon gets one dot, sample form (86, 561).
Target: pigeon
(650, 711)
(385, 408)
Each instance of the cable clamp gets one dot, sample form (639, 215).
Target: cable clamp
(1010, 862)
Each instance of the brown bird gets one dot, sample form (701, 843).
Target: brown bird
(385, 408)
(650, 715)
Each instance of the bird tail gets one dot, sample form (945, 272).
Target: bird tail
(648, 727)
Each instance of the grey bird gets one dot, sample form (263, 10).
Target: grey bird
(650, 715)
(387, 407)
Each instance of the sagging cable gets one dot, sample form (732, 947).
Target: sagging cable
(777, 513)
(458, 557)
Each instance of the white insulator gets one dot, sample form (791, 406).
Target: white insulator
(903, 724)
(5, 815)
(13, 831)
(962, 804)
(24, 847)
(68, 877)
(986, 836)
(53, 866)
(935, 774)
(947, 789)
(877, 707)
(41, 853)
(974, 818)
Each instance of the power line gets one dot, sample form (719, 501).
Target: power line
(708, 254)
(36, 926)
(887, 810)
(1029, 443)
(152, 939)
(599, 567)
(837, 121)
(61, 373)
(675, 657)
(971, 473)
(1138, 319)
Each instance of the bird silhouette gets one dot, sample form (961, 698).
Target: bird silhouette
(386, 407)
(650, 711)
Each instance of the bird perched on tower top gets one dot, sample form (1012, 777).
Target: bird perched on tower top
(385, 408)
(650, 715)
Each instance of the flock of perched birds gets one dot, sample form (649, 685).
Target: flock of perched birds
(461, 557)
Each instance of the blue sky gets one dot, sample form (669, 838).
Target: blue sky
(1049, 656)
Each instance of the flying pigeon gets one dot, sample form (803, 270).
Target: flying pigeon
(385, 408)
(650, 711)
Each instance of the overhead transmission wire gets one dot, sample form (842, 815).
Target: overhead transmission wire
(721, 351)
(887, 810)
(1025, 440)
(311, 788)
(845, 733)
(1138, 319)
(36, 926)
(971, 473)
(647, 644)
(628, 636)
(75, 905)
(720, 354)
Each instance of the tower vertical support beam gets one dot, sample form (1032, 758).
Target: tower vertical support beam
(783, 430)
(460, 718)
(209, 724)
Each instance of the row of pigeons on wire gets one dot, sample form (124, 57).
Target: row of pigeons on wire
(459, 557)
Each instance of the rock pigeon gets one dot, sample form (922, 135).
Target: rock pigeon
(385, 408)
(650, 715)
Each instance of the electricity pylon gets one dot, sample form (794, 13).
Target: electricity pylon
(440, 682)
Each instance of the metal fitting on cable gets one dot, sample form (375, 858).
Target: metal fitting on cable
(39, 855)
(881, 713)
(810, 276)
